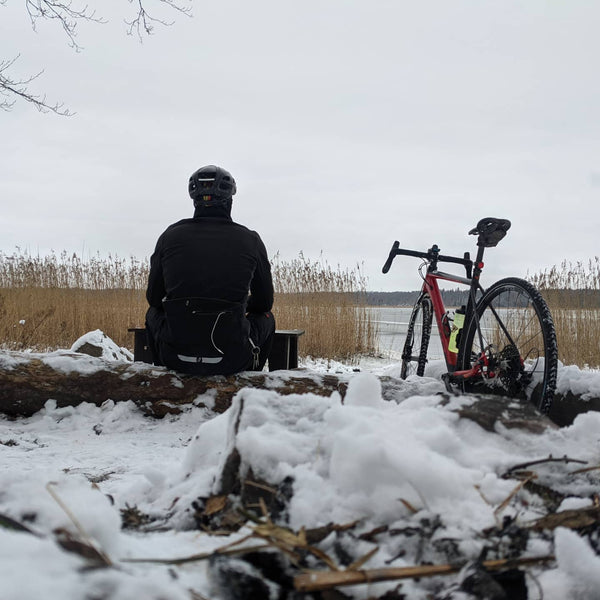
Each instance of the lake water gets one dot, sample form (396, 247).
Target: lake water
(392, 323)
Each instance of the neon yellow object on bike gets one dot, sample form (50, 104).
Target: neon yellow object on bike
(459, 321)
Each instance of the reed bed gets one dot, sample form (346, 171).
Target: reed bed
(329, 304)
(572, 291)
(48, 302)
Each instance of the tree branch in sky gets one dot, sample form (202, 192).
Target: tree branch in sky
(143, 23)
(68, 13)
(12, 89)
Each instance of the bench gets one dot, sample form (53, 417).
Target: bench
(284, 353)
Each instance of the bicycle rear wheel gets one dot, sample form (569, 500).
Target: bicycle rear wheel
(517, 335)
(414, 353)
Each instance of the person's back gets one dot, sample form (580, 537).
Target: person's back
(201, 318)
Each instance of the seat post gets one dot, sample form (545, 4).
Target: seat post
(478, 264)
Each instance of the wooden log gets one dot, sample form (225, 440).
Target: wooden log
(567, 406)
(28, 381)
(26, 384)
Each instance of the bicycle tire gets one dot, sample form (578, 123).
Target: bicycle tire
(526, 368)
(417, 338)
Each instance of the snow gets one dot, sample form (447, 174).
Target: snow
(397, 464)
(108, 349)
(578, 573)
(584, 384)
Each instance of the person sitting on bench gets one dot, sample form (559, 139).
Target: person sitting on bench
(210, 288)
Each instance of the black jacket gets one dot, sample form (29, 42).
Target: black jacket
(211, 257)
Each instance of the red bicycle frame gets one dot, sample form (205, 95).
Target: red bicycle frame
(431, 288)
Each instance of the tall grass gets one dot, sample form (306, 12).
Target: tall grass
(329, 304)
(48, 302)
(572, 291)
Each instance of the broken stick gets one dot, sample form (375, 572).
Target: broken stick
(312, 582)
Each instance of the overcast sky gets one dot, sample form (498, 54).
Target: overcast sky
(347, 124)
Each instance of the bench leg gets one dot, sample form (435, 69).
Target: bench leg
(293, 353)
(280, 351)
(141, 350)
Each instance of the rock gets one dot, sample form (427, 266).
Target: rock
(236, 579)
(481, 584)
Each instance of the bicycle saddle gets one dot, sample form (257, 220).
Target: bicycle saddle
(490, 231)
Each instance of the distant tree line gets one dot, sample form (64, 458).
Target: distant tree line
(563, 298)
(455, 297)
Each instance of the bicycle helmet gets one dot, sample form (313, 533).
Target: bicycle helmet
(211, 185)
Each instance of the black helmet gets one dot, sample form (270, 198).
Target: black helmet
(211, 185)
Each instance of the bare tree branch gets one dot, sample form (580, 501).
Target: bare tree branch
(143, 23)
(11, 89)
(64, 13)
(68, 13)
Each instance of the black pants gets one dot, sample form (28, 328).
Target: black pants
(262, 332)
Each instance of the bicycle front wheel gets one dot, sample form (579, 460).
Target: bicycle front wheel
(513, 329)
(414, 353)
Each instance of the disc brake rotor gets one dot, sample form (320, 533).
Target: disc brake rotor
(511, 367)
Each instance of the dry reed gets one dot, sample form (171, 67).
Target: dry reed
(329, 304)
(48, 302)
(572, 291)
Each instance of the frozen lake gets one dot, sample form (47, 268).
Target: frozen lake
(392, 323)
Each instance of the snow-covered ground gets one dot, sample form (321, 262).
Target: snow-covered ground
(412, 467)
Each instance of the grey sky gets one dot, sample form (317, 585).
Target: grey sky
(346, 124)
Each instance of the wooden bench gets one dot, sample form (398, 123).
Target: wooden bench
(284, 353)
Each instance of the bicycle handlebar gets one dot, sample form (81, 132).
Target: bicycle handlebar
(390, 258)
(431, 255)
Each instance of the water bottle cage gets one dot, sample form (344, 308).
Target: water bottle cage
(447, 324)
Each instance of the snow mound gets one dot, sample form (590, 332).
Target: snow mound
(98, 344)
(420, 483)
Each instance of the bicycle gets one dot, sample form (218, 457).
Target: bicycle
(502, 341)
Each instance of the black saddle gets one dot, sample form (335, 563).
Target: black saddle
(490, 231)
